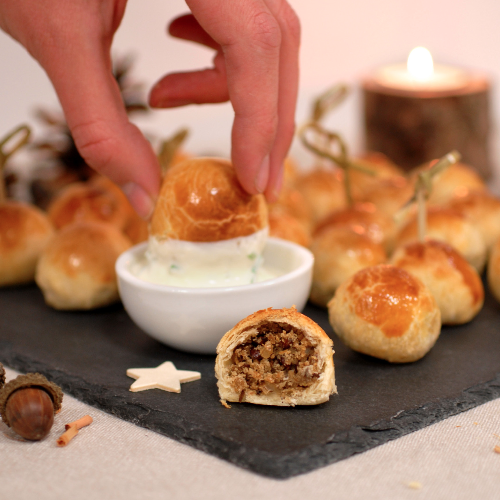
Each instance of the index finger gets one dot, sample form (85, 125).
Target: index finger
(250, 38)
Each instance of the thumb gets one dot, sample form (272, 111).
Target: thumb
(96, 116)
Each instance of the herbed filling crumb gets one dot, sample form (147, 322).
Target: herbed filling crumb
(278, 358)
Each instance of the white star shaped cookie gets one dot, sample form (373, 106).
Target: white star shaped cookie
(166, 377)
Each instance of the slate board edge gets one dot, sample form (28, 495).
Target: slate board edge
(338, 447)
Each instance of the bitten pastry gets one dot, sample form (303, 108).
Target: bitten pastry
(24, 232)
(275, 357)
(453, 282)
(385, 312)
(77, 268)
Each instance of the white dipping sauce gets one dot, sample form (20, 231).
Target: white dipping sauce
(237, 261)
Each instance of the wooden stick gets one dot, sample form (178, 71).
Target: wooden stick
(422, 215)
(81, 422)
(67, 436)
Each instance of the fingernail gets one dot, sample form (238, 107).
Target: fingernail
(276, 190)
(262, 175)
(169, 103)
(139, 199)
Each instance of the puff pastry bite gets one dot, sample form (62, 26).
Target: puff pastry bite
(77, 268)
(24, 232)
(363, 218)
(380, 165)
(339, 253)
(453, 282)
(493, 270)
(97, 200)
(201, 200)
(386, 312)
(276, 357)
(452, 228)
(457, 180)
(286, 227)
(323, 190)
(483, 210)
(292, 202)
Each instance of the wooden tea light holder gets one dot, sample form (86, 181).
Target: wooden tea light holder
(413, 119)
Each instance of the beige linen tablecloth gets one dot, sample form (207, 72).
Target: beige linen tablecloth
(113, 459)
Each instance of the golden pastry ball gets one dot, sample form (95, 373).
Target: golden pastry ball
(276, 357)
(453, 282)
(389, 194)
(385, 312)
(292, 202)
(363, 218)
(97, 200)
(452, 228)
(339, 253)
(482, 209)
(201, 200)
(24, 232)
(457, 180)
(286, 227)
(324, 191)
(77, 268)
(493, 270)
(380, 165)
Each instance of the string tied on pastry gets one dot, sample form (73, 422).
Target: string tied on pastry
(331, 146)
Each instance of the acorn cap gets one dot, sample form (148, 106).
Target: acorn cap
(2, 375)
(35, 380)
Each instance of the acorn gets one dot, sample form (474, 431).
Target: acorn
(28, 404)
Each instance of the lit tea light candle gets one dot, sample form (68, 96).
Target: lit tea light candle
(421, 74)
(418, 111)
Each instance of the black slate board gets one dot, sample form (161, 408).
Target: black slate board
(88, 353)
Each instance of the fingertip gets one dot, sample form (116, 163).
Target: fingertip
(140, 200)
(275, 184)
(262, 176)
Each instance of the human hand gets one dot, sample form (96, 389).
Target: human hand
(72, 41)
(256, 67)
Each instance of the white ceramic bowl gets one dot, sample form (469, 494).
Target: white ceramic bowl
(195, 319)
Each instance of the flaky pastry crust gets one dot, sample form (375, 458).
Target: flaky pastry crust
(323, 384)
(77, 268)
(201, 200)
(24, 232)
(386, 312)
(453, 282)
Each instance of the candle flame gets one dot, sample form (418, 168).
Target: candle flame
(420, 64)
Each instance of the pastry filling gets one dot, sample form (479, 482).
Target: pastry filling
(277, 358)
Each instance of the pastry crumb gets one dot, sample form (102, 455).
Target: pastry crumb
(415, 485)
(225, 403)
(496, 449)
(475, 423)
(458, 426)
